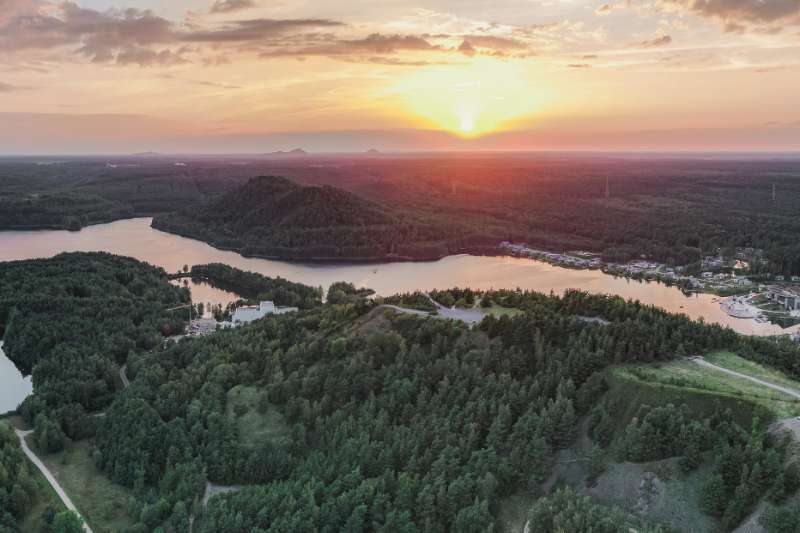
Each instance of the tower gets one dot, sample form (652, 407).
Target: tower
(774, 192)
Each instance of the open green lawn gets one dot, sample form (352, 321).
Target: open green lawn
(102, 503)
(690, 376)
(257, 421)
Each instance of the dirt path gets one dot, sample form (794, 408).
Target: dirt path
(406, 310)
(791, 392)
(124, 377)
(50, 478)
(213, 490)
(468, 316)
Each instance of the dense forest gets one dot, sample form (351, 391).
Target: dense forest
(257, 287)
(359, 417)
(426, 206)
(391, 422)
(75, 192)
(274, 217)
(72, 321)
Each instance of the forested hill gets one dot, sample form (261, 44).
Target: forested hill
(274, 217)
(72, 321)
(353, 418)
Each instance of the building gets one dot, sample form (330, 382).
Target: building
(788, 297)
(247, 314)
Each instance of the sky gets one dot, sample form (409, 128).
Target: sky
(254, 76)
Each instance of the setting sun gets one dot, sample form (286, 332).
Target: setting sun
(481, 97)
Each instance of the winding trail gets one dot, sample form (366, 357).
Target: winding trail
(124, 377)
(49, 476)
(786, 390)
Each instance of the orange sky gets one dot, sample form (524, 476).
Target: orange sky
(95, 76)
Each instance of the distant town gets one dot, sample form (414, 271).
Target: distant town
(762, 298)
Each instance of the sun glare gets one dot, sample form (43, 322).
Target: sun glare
(485, 96)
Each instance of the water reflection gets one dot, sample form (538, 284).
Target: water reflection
(14, 387)
(137, 239)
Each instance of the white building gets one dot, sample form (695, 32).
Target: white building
(247, 314)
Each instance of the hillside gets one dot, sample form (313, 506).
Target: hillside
(277, 218)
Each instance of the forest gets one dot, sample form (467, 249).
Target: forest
(71, 322)
(359, 417)
(426, 206)
(276, 218)
(393, 422)
(256, 287)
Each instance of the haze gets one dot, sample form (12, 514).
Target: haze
(95, 77)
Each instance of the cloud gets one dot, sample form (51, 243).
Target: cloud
(372, 45)
(740, 15)
(229, 6)
(253, 30)
(129, 36)
(604, 9)
(6, 88)
(656, 42)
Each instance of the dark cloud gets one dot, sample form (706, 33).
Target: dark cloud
(229, 6)
(495, 43)
(141, 37)
(254, 30)
(132, 36)
(579, 65)
(741, 15)
(330, 46)
(6, 88)
(656, 42)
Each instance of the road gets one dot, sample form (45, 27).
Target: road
(791, 392)
(49, 476)
(124, 377)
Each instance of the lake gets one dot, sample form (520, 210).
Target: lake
(137, 239)
(14, 387)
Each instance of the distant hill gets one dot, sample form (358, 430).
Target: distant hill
(297, 152)
(277, 218)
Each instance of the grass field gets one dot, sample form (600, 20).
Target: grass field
(102, 503)
(692, 377)
(732, 361)
(254, 425)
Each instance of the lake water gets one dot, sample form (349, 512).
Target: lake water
(137, 239)
(14, 387)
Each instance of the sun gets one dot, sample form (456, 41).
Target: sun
(481, 97)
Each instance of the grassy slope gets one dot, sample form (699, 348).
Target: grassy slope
(102, 503)
(255, 427)
(678, 377)
(732, 361)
